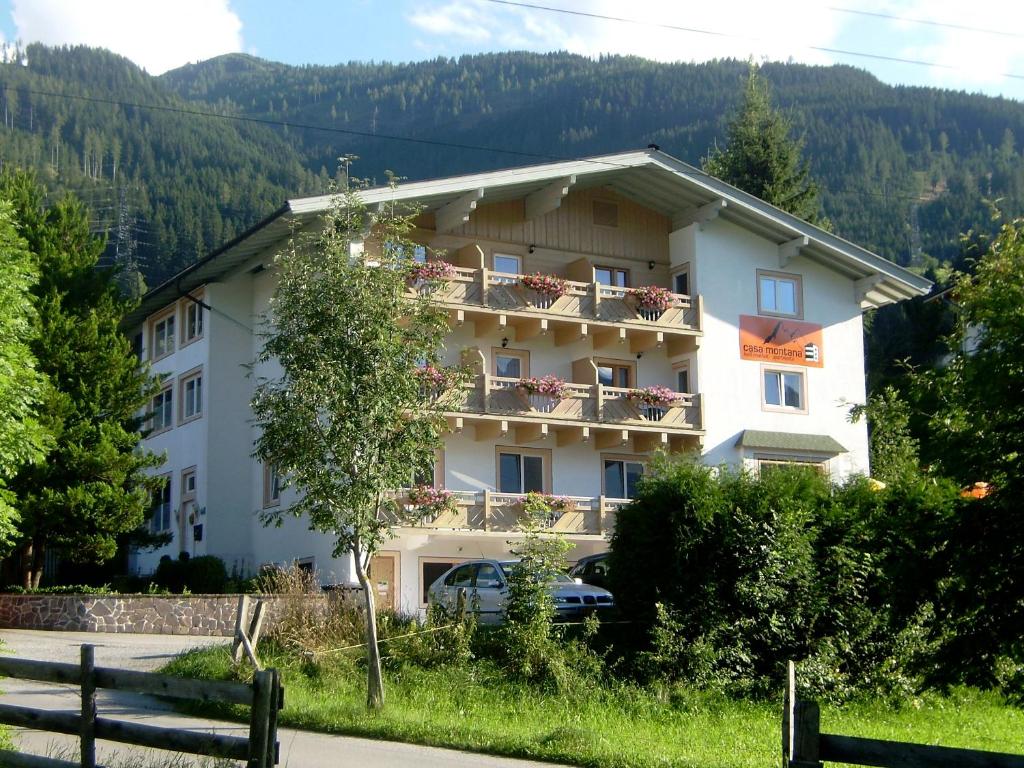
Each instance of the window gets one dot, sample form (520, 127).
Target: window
(191, 396)
(620, 477)
(612, 276)
(613, 373)
(487, 577)
(606, 214)
(461, 577)
(271, 486)
(137, 345)
(784, 390)
(193, 320)
(681, 280)
(163, 411)
(774, 464)
(163, 337)
(434, 476)
(431, 569)
(521, 471)
(779, 294)
(682, 372)
(188, 484)
(510, 363)
(508, 264)
(161, 509)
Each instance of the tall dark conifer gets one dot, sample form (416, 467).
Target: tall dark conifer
(761, 158)
(91, 487)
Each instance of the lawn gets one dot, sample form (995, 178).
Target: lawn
(473, 707)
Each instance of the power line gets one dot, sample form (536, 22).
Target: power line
(929, 22)
(716, 33)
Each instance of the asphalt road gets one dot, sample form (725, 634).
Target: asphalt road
(299, 749)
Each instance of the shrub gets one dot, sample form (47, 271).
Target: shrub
(740, 574)
(205, 575)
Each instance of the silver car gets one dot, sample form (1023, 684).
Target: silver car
(486, 585)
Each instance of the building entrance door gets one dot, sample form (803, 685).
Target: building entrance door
(383, 573)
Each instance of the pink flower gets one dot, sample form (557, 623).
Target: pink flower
(549, 385)
(548, 285)
(432, 271)
(652, 297)
(656, 396)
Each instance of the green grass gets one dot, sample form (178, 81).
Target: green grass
(474, 708)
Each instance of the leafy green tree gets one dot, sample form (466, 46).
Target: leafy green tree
(762, 159)
(979, 418)
(92, 485)
(348, 421)
(894, 451)
(23, 439)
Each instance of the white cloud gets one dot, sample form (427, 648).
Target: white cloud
(155, 34)
(970, 58)
(754, 28)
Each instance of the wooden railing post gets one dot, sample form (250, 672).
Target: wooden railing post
(88, 724)
(483, 285)
(596, 288)
(263, 692)
(484, 383)
(487, 508)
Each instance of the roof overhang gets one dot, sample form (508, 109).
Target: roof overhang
(790, 442)
(683, 193)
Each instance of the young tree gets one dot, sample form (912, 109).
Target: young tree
(348, 421)
(22, 438)
(761, 158)
(92, 485)
(894, 451)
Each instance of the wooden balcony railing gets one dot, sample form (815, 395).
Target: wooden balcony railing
(491, 512)
(582, 403)
(590, 302)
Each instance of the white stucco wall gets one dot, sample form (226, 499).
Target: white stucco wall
(725, 259)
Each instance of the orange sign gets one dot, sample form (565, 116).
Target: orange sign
(776, 340)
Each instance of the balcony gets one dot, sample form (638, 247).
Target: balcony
(606, 416)
(487, 512)
(496, 301)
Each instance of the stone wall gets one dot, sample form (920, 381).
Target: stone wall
(145, 614)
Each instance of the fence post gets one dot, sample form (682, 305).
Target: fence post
(259, 724)
(801, 727)
(88, 723)
(243, 611)
(276, 702)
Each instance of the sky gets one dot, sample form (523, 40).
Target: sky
(975, 46)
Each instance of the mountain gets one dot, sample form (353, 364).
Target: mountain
(904, 170)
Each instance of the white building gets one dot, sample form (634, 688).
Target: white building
(762, 339)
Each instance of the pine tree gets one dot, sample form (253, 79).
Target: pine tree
(92, 485)
(762, 159)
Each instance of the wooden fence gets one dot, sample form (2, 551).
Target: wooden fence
(805, 746)
(260, 749)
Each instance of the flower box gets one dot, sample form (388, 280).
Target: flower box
(547, 289)
(430, 503)
(544, 393)
(651, 300)
(426, 276)
(653, 402)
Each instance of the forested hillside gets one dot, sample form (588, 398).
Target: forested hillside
(903, 170)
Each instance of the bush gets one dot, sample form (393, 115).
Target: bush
(202, 575)
(740, 574)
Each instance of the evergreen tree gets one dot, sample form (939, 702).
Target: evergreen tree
(762, 159)
(22, 438)
(92, 485)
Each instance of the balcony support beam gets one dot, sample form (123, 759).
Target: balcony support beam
(488, 325)
(456, 424)
(617, 438)
(681, 345)
(457, 212)
(531, 433)
(457, 318)
(569, 334)
(645, 340)
(609, 337)
(790, 250)
(490, 430)
(548, 199)
(864, 286)
(700, 216)
(572, 436)
(645, 442)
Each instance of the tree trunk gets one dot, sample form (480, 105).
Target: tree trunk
(32, 561)
(374, 679)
